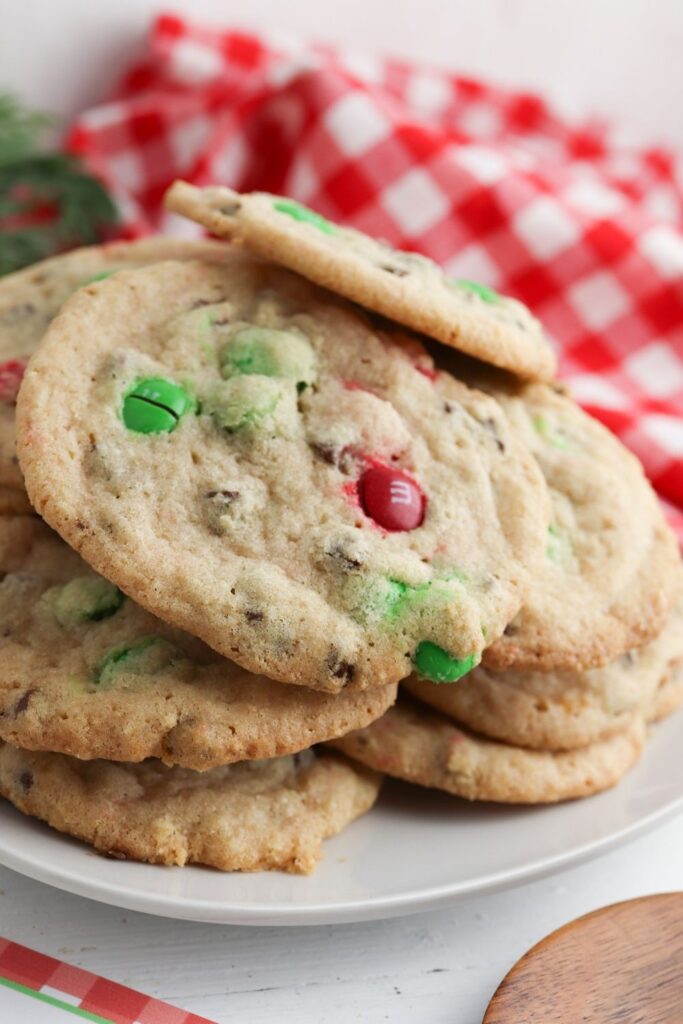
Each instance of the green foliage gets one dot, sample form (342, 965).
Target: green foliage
(48, 201)
(19, 130)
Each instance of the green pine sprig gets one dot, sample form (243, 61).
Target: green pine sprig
(48, 201)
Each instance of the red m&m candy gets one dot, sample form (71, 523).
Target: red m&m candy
(391, 498)
(11, 376)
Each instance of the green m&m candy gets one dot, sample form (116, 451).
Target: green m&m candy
(550, 432)
(401, 598)
(155, 406)
(146, 655)
(432, 662)
(394, 596)
(84, 599)
(485, 293)
(270, 353)
(559, 547)
(102, 276)
(301, 213)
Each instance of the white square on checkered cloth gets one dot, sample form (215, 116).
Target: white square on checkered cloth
(666, 431)
(589, 389)
(663, 246)
(599, 299)
(356, 124)
(228, 165)
(483, 163)
(657, 368)
(415, 202)
(546, 228)
(428, 91)
(197, 63)
(127, 170)
(593, 198)
(189, 138)
(474, 264)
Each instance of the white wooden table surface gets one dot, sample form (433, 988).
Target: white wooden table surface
(436, 968)
(618, 59)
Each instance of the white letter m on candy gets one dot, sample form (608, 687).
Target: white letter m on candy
(400, 493)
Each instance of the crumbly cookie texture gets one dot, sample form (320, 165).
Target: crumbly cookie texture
(253, 461)
(669, 695)
(413, 743)
(252, 816)
(405, 286)
(30, 299)
(563, 710)
(611, 571)
(85, 671)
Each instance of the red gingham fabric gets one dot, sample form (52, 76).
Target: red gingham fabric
(86, 991)
(492, 183)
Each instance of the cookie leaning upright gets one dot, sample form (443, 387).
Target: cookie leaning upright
(253, 461)
(405, 286)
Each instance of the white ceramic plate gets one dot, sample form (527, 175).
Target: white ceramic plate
(416, 850)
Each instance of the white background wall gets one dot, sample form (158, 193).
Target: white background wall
(622, 58)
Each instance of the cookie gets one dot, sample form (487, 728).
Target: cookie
(610, 576)
(30, 298)
(669, 695)
(413, 743)
(252, 816)
(561, 710)
(255, 462)
(85, 671)
(14, 502)
(404, 286)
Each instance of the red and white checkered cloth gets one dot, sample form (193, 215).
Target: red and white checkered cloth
(79, 992)
(491, 183)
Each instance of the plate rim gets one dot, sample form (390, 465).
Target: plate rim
(346, 912)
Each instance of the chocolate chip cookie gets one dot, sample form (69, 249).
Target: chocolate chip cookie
(87, 672)
(254, 461)
(252, 816)
(404, 286)
(30, 298)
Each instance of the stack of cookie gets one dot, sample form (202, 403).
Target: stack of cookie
(114, 726)
(558, 706)
(275, 496)
(595, 654)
